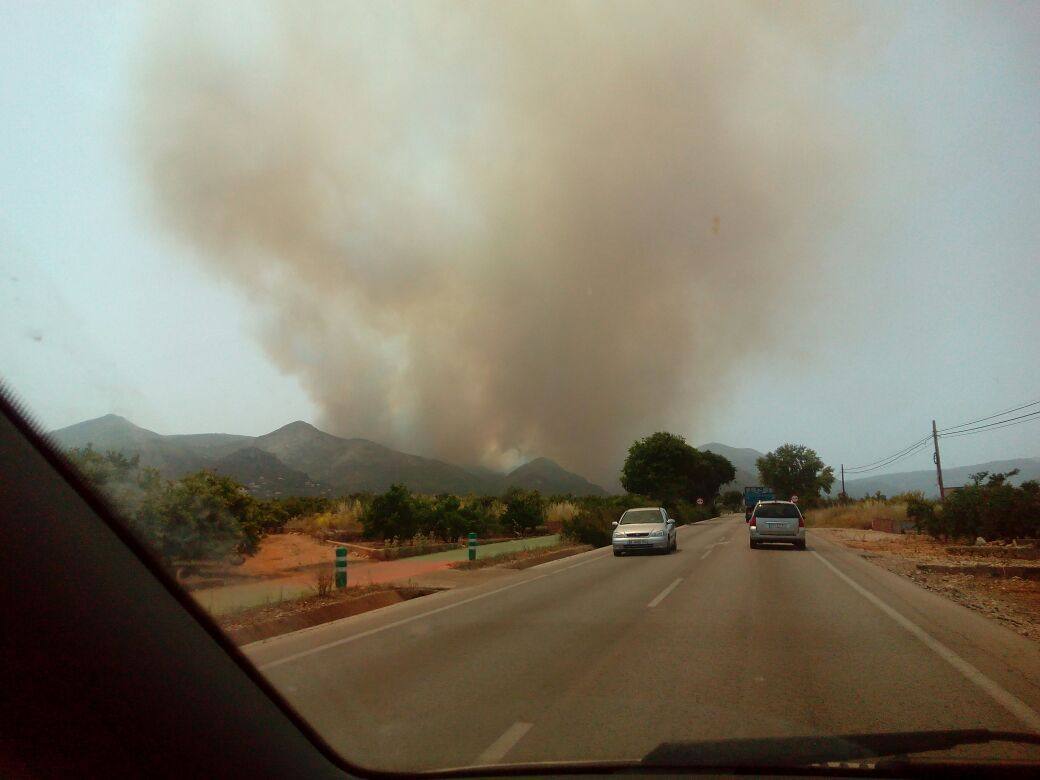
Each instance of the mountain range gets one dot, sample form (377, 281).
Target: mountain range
(299, 459)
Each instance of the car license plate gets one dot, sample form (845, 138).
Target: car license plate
(776, 525)
(639, 544)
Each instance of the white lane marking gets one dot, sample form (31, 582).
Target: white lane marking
(663, 594)
(1008, 701)
(413, 618)
(713, 545)
(498, 749)
(404, 621)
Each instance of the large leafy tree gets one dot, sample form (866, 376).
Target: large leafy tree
(795, 470)
(391, 514)
(666, 468)
(525, 511)
(202, 516)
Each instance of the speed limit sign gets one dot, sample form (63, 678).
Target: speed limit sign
(794, 499)
(700, 502)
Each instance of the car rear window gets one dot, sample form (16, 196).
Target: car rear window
(777, 510)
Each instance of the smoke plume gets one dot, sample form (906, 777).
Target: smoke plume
(488, 231)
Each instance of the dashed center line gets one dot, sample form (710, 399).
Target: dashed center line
(713, 545)
(663, 594)
(498, 749)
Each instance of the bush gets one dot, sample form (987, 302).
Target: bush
(593, 524)
(391, 514)
(922, 512)
(558, 513)
(733, 500)
(994, 510)
(524, 511)
(203, 515)
(447, 518)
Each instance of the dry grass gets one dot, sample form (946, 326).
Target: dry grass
(323, 582)
(346, 516)
(557, 514)
(855, 515)
(519, 555)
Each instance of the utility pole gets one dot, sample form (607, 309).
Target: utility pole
(843, 479)
(938, 463)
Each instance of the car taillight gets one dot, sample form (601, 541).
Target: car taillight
(752, 521)
(801, 521)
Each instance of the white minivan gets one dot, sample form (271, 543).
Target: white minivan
(777, 521)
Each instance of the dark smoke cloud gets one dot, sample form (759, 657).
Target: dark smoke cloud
(491, 231)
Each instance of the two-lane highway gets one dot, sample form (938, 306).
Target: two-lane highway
(598, 658)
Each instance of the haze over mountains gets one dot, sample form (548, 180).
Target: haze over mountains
(299, 459)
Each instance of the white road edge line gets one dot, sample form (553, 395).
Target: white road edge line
(347, 639)
(404, 621)
(1007, 700)
(663, 594)
(707, 552)
(498, 749)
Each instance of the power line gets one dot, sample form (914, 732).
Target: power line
(913, 449)
(961, 429)
(990, 417)
(1009, 423)
(888, 458)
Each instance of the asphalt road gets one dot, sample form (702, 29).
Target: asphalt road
(600, 658)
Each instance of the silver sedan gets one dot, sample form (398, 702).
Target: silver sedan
(648, 529)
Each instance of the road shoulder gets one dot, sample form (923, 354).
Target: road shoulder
(1012, 601)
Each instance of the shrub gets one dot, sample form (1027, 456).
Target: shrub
(203, 515)
(323, 582)
(447, 518)
(922, 512)
(557, 513)
(732, 500)
(391, 514)
(994, 510)
(593, 524)
(523, 511)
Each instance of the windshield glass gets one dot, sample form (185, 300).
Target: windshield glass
(641, 516)
(333, 302)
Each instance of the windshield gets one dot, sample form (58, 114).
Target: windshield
(641, 516)
(333, 303)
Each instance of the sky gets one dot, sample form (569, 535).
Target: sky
(919, 302)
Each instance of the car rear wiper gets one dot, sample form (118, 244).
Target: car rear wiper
(824, 749)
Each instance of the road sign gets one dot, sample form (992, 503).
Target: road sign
(794, 499)
(700, 502)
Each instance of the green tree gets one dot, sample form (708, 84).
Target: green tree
(664, 467)
(525, 511)
(795, 470)
(391, 514)
(732, 500)
(202, 516)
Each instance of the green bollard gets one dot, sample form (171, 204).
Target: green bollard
(472, 545)
(341, 567)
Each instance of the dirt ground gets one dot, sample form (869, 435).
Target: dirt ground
(275, 619)
(1013, 601)
(281, 553)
